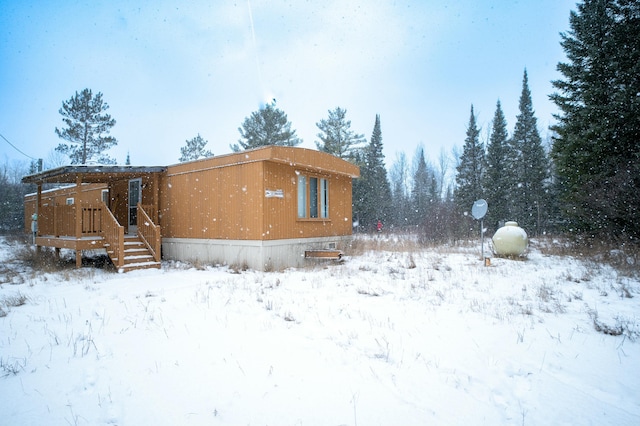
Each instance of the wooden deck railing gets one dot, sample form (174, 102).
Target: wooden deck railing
(91, 221)
(148, 231)
(113, 234)
(62, 221)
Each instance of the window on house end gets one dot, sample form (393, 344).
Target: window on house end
(313, 197)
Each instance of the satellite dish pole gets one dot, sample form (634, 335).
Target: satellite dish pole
(478, 211)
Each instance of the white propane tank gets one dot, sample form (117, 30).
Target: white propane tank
(510, 240)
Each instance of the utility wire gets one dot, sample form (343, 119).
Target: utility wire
(16, 148)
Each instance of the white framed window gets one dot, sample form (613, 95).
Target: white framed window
(105, 196)
(69, 201)
(313, 197)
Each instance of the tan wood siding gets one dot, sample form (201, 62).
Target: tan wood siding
(89, 194)
(281, 214)
(225, 197)
(222, 202)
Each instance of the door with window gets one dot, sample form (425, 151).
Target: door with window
(135, 196)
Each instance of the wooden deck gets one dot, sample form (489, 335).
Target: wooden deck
(72, 243)
(93, 227)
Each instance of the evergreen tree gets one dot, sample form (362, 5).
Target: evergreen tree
(194, 149)
(336, 136)
(372, 193)
(359, 193)
(87, 129)
(420, 190)
(267, 126)
(497, 185)
(596, 151)
(400, 200)
(470, 170)
(127, 162)
(12, 193)
(532, 166)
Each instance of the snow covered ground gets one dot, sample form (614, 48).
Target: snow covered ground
(389, 337)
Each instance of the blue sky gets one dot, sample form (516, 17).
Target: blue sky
(170, 70)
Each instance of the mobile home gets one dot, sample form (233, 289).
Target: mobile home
(267, 208)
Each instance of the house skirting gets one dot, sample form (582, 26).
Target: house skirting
(260, 255)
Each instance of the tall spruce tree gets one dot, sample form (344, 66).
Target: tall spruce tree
(532, 166)
(420, 191)
(336, 136)
(87, 129)
(400, 200)
(595, 150)
(496, 182)
(470, 170)
(267, 126)
(372, 192)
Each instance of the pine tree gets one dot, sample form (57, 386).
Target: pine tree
(596, 151)
(372, 193)
(194, 149)
(496, 183)
(267, 126)
(533, 167)
(87, 129)
(336, 136)
(470, 170)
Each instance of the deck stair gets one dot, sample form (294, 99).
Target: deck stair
(136, 255)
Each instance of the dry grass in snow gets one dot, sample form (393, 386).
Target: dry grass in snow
(397, 334)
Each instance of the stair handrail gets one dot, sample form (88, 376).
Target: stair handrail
(113, 234)
(149, 232)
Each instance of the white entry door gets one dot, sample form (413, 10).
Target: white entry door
(135, 196)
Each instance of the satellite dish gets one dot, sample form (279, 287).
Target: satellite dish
(479, 209)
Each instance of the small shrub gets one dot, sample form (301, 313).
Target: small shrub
(12, 368)
(43, 260)
(411, 263)
(622, 327)
(14, 301)
(368, 292)
(625, 291)
(238, 268)
(545, 293)
(549, 300)
(577, 295)
(526, 309)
